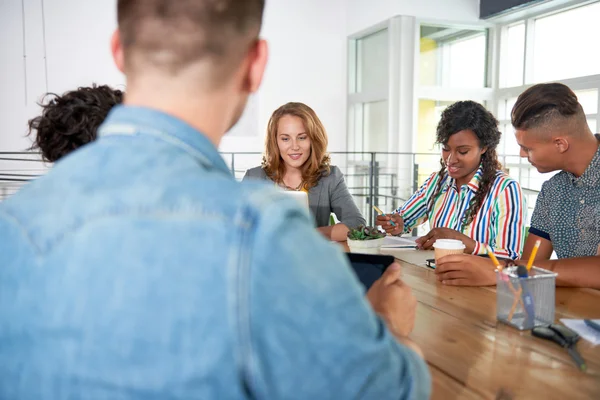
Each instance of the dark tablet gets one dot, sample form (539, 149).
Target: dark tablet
(369, 267)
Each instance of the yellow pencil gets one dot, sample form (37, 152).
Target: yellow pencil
(383, 214)
(533, 253)
(493, 257)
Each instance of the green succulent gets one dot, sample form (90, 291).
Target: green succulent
(365, 233)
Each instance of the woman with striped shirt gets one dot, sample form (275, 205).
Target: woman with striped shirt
(470, 198)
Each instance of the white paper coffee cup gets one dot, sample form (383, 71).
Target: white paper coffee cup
(445, 247)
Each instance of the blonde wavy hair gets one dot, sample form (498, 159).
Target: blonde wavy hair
(317, 164)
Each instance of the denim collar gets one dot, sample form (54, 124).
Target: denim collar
(131, 120)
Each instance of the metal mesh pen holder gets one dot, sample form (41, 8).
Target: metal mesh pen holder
(525, 302)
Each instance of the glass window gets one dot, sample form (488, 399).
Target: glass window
(513, 56)
(505, 107)
(588, 100)
(593, 126)
(564, 44)
(451, 57)
(355, 136)
(508, 142)
(372, 62)
(375, 123)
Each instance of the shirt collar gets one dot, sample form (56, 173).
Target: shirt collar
(473, 183)
(592, 172)
(131, 120)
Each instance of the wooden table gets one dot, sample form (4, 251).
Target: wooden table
(472, 356)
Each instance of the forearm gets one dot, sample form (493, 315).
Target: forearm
(336, 233)
(472, 246)
(574, 272)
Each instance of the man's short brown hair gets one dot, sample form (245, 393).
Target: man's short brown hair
(545, 104)
(172, 35)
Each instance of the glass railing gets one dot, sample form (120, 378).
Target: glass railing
(373, 178)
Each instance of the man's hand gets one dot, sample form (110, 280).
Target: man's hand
(426, 242)
(465, 270)
(394, 302)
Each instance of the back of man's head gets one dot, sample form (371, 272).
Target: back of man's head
(549, 107)
(176, 36)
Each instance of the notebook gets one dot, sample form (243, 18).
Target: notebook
(402, 242)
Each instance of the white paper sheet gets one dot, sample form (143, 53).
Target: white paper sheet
(589, 334)
(394, 241)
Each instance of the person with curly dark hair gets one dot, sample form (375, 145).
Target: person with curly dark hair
(71, 120)
(470, 198)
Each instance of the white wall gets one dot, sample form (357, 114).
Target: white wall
(362, 14)
(66, 44)
(50, 46)
(307, 62)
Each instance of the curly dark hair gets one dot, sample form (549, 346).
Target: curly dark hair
(71, 120)
(469, 115)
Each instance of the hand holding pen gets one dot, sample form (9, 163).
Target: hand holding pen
(391, 223)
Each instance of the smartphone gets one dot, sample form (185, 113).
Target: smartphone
(369, 267)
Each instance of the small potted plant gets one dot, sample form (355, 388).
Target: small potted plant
(365, 239)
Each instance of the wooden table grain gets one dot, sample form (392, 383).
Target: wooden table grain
(473, 356)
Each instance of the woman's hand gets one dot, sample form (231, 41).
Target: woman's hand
(384, 222)
(426, 242)
(465, 270)
(336, 233)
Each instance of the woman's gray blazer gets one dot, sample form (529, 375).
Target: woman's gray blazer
(330, 195)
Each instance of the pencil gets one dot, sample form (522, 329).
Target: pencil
(383, 215)
(493, 257)
(533, 253)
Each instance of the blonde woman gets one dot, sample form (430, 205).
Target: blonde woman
(296, 158)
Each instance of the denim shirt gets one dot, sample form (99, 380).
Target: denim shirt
(138, 268)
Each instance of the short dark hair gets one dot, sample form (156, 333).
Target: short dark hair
(71, 120)
(174, 34)
(543, 104)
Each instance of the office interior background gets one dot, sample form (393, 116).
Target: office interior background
(377, 72)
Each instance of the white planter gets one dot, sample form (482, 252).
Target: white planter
(365, 246)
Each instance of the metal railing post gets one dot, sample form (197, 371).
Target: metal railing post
(415, 183)
(371, 188)
(233, 164)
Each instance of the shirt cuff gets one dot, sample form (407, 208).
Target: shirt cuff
(540, 233)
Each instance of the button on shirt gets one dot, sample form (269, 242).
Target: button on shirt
(567, 212)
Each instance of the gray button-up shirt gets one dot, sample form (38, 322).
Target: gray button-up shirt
(567, 212)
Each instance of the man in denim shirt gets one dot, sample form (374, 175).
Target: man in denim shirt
(138, 268)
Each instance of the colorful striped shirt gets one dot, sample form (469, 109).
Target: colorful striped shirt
(500, 222)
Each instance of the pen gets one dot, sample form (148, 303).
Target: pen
(595, 326)
(526, 296)
(383, 214)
